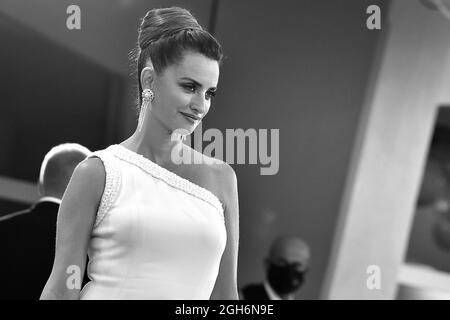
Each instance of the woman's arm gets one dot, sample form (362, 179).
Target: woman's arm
(226, 283)
(76, 217)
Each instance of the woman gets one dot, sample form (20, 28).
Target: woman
(154, 229)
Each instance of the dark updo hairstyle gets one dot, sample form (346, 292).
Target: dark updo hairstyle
(164, 35)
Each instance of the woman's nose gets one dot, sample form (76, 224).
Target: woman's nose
(199, 105)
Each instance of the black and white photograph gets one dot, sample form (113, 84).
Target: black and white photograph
(250, 151)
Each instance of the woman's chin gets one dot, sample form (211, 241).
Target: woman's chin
(184, 130)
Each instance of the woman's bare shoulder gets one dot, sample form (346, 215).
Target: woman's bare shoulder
(214, 169)
(212, 174)
(213, 166)
(222, 171)
(92, 168)
(222, 179)
(91, 174)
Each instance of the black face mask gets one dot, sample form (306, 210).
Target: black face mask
(285, 279)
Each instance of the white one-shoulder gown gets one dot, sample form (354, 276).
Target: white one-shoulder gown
(156, 234)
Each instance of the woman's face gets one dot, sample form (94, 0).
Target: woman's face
(183, 92)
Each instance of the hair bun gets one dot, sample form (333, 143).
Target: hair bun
(165, 22)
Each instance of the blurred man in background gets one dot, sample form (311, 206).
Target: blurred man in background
(285, 267)
(27, 237)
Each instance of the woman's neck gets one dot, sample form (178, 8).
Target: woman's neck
(153, 142)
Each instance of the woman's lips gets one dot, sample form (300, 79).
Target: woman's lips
(190, 117)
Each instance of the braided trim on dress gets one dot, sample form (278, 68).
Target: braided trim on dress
(112, 185)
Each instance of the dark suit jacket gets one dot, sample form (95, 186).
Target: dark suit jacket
(27, 251)
(27, 243)
(254, 292)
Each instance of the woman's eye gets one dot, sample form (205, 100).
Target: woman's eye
(189, 87)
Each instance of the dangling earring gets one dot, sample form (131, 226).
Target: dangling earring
(147, 97)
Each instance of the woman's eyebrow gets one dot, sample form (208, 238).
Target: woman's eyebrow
(196, 82)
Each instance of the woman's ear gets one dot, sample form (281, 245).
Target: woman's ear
(147, 77)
